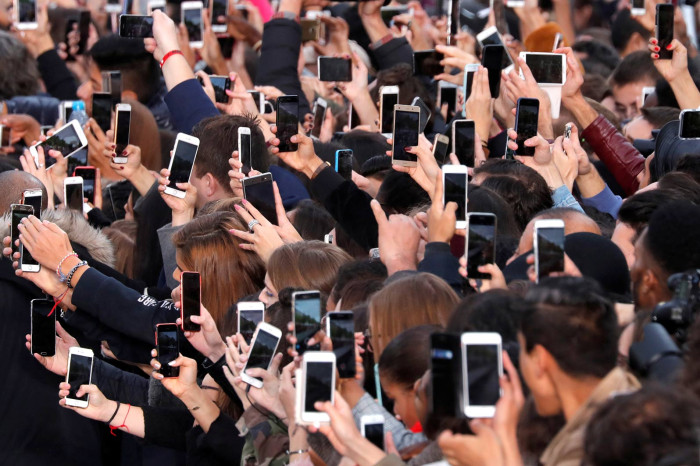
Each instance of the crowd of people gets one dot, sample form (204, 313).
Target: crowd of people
(598, 360)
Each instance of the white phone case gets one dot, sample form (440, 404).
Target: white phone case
(79, 352)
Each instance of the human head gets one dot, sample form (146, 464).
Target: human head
(574, 221)
(596, 88)
(634, 72)
(483, 199)
(357, 270)
(365, 145)
(14, 183)
(218, 138)
(311, 220)
(651, 118)
(228, 272)
(570, 334)
(628, 34)
(597, 58)
(122, 234)
(690, 164)
(407, 301)
(19, 74)
(525, 198)
(400, 194)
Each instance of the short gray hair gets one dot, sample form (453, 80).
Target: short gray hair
(19, 74)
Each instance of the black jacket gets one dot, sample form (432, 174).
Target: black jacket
(58, 79)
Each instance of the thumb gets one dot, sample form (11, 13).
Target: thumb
(258, 372)
(379, 214)
(87, 390)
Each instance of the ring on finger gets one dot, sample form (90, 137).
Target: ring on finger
(252, 224)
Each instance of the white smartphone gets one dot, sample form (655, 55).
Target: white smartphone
(482, 367)
(638, 8)
(122, 129)
(181, 163)
(441, 149)
(546, 68)
(250, 314)
(306, 311)
(515, 3)
(406, 134)
(388, 97)
(548, 247)
(372, 428)
(33, 197)
(318, 373)
(454, 184)
(245, 149)
(192, 19)
(68, 139)
(320, 107)
(690, 124)
(79, 373)
(154, 5)
(259, 99)
(491, 36)
(558, 41)
(447, 94)
(73, 193)
(646, 92)
(218, 8)
(262, 350)
(25, 14)
(65, 109)
(113, 6)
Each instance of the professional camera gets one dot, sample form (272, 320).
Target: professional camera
(677, 314)
(656, 357)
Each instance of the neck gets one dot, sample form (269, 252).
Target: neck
(574, 393)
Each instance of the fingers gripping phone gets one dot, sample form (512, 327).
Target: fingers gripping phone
(343, 163)
(250, 314)
(190, 300)
(26, 261)
(406, 134)
(220, 83)
(262, 350)
(79, 373)
(481, 243)
(258, 190)
(245, 149)
(122, 132)
(372, 428)
(287, 122)
(388, 98)
(88, 174)
(181, 163)
(69, 139)
(664, 29)
(526, 118)
(73, 193)
(482, 368)
(454, 179)
(549, 247)
(43, 328)
(306, 306)
(340, 327)
(318, 374)
(168, 346)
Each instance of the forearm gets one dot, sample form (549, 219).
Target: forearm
(129, 419)
(298, 442)
(580, 109)
(590, 184)
(686, 92)
(363, 452)
(176, 70)
(375, 27)
(365, 109)
(545, 126)
(204, 410)
(142, 180)
(562, 11)
(219, 66)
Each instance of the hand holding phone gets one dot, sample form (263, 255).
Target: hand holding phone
(181, 163)
(190, 300)
(664, 30)
(168, 347)
(526, 121)
(287, 122)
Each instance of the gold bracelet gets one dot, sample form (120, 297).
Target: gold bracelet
(319, 169)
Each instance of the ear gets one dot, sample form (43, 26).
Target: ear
(635, 43)
(210, 185)
(543, 360)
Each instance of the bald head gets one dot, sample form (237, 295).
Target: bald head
(14, 183)
(574, 222)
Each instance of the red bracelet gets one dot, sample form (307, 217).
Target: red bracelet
(168, 55)
(57, 302)
(113, 428)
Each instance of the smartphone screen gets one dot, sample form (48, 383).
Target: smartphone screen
(219, 8)
(388, 102)
(244, 152)
(456, 191)
(483, 374)
(425, 113)
(550, 250)
(135, 26)
(168, 349)
(440, 150)
(638, 4)
(183, 160)
(19, 212)
(193, 23)
(342, 333)
(448, 95)
(526, 124)
(446, 372)
(102, 110)
(191, 300)
(65, 140)
(690, 125)
(319, 116)
(287, 122)
(220, 84)
(334, 69)
(307, 319)
(263, 351)
(115, 86)
(79, 373)
(664, 29)
(468, 87)
(481, 244)
(545, 68)
(123, 130)
(258, 100)
(492, 60)
(88, 176)
(427, 63)
(406, 133)
(84, 30)
(74, 196)
(260, 193)
(43, 327)
(343, 163)
(375, 434)
(249, 320)
(319, 384)
(464, 142)
(35, 203)
(27, 11)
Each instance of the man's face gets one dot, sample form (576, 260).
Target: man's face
(638, 128)
(628, 99)
(5, 14)
(644, 297)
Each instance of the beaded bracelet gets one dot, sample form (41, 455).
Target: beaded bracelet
(61, 276)
(73, 270)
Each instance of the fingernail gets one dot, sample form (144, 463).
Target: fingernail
(656, 55)
(123, 152)
(668, 47)
(653, 41)
(157, 366)
(656, 49)
(171, 363)
(244, 201)
(237, 207)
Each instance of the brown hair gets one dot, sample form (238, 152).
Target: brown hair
(228, 272)
(413, 300)
(311, 265)
(122, 234)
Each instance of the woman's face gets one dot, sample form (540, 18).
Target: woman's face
(268, 295)
(404, 402)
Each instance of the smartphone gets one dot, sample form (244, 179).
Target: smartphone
(168, 346)
(427, 63)
(154, 5)
(220, 85)
(664, 29)
(122, 131)
(102, 110)
(320, 107)
(441, 147)
(318, 374)
(243, 10)
(306, 306)
(79, 373)
(690, 124)
(112, 83)
(406, 133)
(492, 59)
(258, 190)
(343, 163)
(181, 163)
(69, 139)
(468, 82)
(45, 129)
(388, 13)
(262, 350)
(454, 182)
(490, 36)
(310, 29)
(245, 149)
(65, 110)
(135, 26)
(526, 117)
(638, 8)
(25, 14)
(482, 367)
(43, 329)
(446, 377)
(73, 193)
(190, 300)
(340, 327)
(388, 97)
(113, 6)
(646, 92)
(250, 314)
(18, 212)
(33, 198)
(549, 247)
(5, 133)
(83, 22)
(259, 100)
(192, 18)
(334, 69)
(547, 68)
(425, 113)
(447, 93)
(219, 9)
(463, 140)
(88, 174)
(372, 428)
(328, 238)
(567, 131)
(480, 248)
(287, 121)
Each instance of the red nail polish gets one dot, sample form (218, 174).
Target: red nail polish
(656, 55)
(668, 47)
(656, 49)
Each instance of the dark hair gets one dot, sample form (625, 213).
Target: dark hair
(673, 236)
(359, 292)
(401, 75)
(690, 164)
(219, 138)
(376, 167)
(406, 358)
(326, 150)
(659, 116)
(597, 58)
(399, 193)
(357, 270)
(311, 220)
(637, 209)
(690, 377)
(493, 311)
(657, 425)
(483, 199)
(682, 184)
(634, 68)
(623, 27)
(596, 87)
(19, 74)
(525, 200)
(572, 320)
(365, 145)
